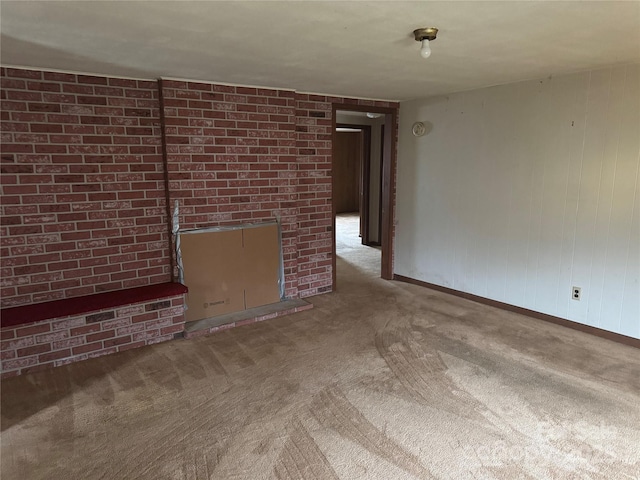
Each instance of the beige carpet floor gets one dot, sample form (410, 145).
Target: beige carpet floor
(381, 380)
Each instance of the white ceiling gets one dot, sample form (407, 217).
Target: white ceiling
(351, 48)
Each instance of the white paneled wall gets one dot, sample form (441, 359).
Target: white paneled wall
(519, 192)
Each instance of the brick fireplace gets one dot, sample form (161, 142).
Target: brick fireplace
(89, 163)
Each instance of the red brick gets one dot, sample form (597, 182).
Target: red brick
(47, 357)
(69, 342)
(94, 327)
(7, 334)
(33, 350)
(161, 322)
(117, 341)
(146, 335)
(33, 330)
(116, 323)
(144, 317)
(7, 354)
(89, 347)
(94, 337)
(67, 323)
(130, 329)
(50, 337)
(172, 329)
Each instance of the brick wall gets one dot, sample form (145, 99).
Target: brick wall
(238, 154)
(59, 341)
(83, 194)
(231, 155)
(82, 186)
(313, 139)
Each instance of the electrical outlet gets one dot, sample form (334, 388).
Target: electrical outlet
(576, 292)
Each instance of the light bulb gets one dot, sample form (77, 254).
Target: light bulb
(425, 51)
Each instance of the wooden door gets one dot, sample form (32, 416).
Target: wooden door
(347, 164)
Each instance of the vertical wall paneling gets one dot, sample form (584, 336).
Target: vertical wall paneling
(519, 192)
(621, 271)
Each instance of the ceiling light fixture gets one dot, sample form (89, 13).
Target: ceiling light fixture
(374, 115)
(425, 35)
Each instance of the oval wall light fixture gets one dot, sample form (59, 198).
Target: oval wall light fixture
(418, 129)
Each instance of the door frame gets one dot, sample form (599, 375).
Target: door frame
(379, 241)
(389, 160)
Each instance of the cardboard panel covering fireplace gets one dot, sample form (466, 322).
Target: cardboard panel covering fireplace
(230, 269)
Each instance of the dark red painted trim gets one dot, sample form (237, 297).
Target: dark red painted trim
(11, 317)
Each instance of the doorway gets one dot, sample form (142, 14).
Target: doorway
(353, 161)
(362, 168)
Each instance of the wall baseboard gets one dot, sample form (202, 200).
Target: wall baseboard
(616, 337)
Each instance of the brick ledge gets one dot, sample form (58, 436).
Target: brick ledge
(10, 317)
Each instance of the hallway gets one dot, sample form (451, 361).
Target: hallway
(349, 247)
